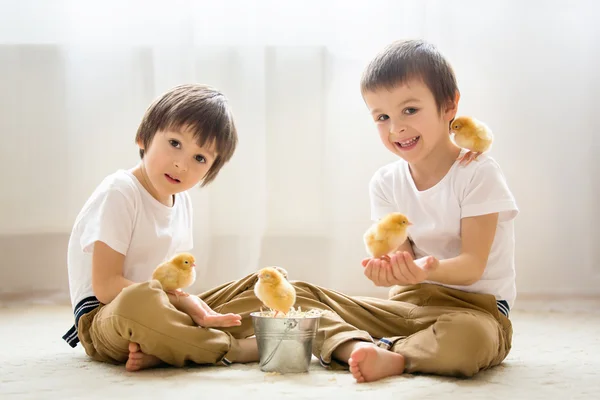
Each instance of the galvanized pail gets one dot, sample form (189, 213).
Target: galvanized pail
(284, 344)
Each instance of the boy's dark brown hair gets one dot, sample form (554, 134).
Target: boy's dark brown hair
(200, 109)
(404, 60)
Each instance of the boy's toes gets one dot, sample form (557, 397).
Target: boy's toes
(132, 364)
(355, 370)
(138, 355)
(138, 360)
(357, 375)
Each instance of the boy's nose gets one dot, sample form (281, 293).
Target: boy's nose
(179, 165)
(396, 129)
(397, 126)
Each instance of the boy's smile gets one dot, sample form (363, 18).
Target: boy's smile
(408, 144)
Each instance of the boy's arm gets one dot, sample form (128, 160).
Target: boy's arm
(108, 281)
(477, 235)
(107, 272)
(486, 201)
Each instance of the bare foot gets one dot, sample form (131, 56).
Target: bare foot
(205, 316)
(370, 363)
(138, 360)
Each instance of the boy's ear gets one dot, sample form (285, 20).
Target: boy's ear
(140, 144)
(452, 108)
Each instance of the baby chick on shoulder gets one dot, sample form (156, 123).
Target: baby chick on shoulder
(177, 273)
(274, 290)
(473, 135)
(386, 235)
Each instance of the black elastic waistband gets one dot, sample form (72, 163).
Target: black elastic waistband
(83, 307)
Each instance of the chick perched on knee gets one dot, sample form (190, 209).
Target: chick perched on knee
(177, 273)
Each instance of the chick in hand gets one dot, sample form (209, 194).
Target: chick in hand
(177, 273)
(274, 290)
(386, 235)
(472, 135)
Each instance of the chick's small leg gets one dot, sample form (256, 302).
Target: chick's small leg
(177, 293)
(468, 157)
(173, 292)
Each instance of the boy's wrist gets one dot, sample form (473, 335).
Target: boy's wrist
(429, 264)
(456, 271)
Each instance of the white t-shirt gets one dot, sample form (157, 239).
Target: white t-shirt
(122, 214)
(466, 191)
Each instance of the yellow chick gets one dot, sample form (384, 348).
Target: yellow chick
(177, 273)
(274, 290)
(472, 135)
(386, 235)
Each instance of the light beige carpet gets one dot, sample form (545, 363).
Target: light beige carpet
(556, 355)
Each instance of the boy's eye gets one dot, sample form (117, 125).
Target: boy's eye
(382, 117)
(200, 158)
(175, 143)
(410, 111)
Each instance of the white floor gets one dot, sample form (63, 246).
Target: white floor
(556, 355)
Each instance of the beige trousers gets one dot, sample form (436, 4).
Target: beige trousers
(438, 330)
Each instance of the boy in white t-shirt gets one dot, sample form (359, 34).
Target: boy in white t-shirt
(139, 218)
(458, 264)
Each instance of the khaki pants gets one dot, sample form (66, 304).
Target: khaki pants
(438, 330)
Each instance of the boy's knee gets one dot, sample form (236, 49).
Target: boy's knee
(468, 343)
(134, 299)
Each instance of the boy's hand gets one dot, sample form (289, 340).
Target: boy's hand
(401, 269)
(204, 316)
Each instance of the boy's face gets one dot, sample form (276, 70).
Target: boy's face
(408, 119)
(174, 162)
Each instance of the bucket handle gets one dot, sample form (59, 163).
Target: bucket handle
(290, 324)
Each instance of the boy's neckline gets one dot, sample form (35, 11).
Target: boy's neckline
(146, 193)
(431, 187)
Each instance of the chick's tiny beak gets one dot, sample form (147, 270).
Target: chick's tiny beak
(409, 223)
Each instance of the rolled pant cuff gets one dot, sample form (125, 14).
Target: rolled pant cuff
(325, 358)
(231, 356)
(388, 342)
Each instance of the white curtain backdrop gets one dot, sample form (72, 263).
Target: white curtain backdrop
(76, 77)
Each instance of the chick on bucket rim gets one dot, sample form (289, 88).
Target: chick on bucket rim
(274, 290)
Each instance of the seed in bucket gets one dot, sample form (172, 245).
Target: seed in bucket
(274, 290)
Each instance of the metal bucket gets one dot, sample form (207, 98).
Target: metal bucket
(284, 344)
